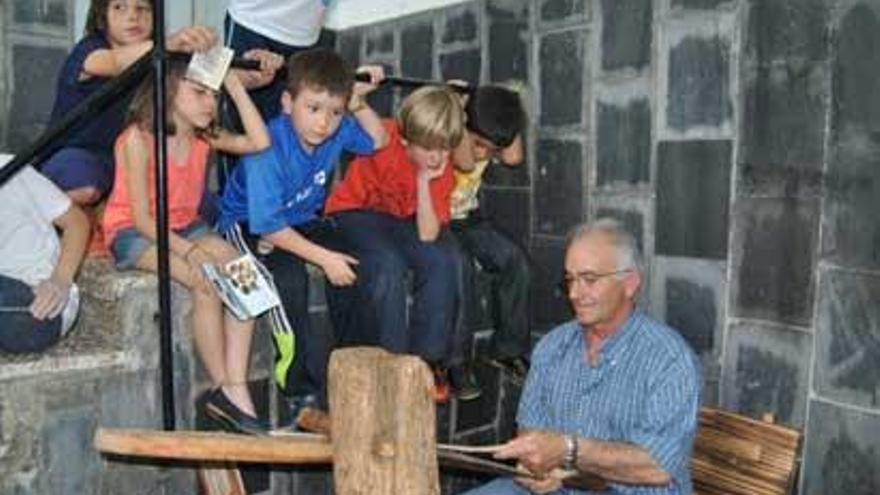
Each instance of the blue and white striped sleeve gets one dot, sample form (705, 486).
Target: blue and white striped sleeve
(532, 412)
(670, 417)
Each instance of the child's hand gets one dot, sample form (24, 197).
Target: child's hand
(461, 83)
(232, 80)
(196, 257)
(50, 297)
(192, 39)
(362, 89)
(428, 173)
(338, 268)
(270, 63)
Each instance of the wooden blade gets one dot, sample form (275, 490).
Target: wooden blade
(213, 446)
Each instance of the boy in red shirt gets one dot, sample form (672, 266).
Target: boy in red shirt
(393, 209)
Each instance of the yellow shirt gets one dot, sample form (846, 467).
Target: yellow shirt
(465, 196)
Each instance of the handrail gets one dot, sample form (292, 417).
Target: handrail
(91, 106)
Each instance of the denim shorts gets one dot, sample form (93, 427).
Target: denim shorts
(129, 244)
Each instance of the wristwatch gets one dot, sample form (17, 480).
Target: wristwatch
(569, 462)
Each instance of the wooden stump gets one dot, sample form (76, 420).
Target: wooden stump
(382, 423)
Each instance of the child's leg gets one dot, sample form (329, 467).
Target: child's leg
(82, 174)
(381, 272)
(237, 334)
(435, 297)
(509, 265)
(462, 334)
(19, 330)
(207, 313)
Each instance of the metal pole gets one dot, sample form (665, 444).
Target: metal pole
(159, 116)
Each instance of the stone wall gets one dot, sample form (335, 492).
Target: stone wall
(738, 140)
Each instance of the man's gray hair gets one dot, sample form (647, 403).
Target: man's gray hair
(628, 255)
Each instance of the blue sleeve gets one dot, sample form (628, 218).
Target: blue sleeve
(73, 66)
(354, 137)
(670, 417)
(265, 192)
(532, 412)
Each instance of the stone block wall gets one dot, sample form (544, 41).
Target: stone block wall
(34, 39)
(738, 140)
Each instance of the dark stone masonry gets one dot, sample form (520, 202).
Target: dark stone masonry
(738, 139)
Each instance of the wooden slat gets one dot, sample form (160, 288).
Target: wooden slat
(738, 455)
(212, 446)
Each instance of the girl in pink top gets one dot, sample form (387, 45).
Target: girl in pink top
(222, 341)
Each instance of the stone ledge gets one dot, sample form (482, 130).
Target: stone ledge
(107, 333)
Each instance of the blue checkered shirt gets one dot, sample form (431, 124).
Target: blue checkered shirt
(643, 391)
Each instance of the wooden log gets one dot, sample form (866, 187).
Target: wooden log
(383, 423)
(213, 446)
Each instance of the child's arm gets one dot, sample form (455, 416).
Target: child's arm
(463, 155)
(365, 115)
(50, 295)
(427, 222)
(336, 266)
(256, 136)
(110, 62)
(513, 154)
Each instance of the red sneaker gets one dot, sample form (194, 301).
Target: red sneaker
(442, 390)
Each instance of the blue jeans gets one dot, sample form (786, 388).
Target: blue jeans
(499, 256)
(19, 331)
(387, 248)
(499, 486)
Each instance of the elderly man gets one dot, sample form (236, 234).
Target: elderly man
(613, 393)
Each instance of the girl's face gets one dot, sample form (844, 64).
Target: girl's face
(194, 105)
(129, 22)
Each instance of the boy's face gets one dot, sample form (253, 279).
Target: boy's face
(129, 21)
(431, 160)
(315, 113)
(482, 148)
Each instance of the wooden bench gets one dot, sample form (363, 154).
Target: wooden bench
(735, 454)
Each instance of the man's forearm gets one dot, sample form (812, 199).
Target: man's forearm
(621, 462)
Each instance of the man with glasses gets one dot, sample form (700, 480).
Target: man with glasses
(614, 392)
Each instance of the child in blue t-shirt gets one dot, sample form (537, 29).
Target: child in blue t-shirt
(273, 200)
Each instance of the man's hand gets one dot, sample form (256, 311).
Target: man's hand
(538, 451)
(338, 268)
(50, 297)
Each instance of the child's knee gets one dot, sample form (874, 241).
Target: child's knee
(84, 196)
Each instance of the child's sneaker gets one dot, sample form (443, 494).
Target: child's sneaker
(464, 383)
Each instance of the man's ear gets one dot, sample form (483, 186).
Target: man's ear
(286, 102)
(632, 281)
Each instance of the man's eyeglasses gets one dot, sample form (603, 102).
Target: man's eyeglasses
(586, 279)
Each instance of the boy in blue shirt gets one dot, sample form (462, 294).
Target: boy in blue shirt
(273, 200)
